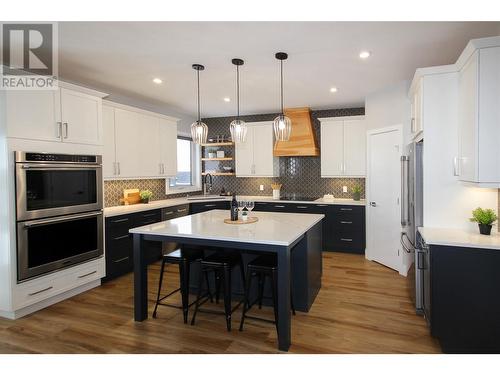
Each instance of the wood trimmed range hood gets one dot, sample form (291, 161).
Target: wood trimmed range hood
(302, 140)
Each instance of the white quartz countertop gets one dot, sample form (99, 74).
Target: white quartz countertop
(272, 228)
(460, 238)
(153, 205)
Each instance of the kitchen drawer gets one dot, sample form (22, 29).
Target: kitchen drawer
(147, 217)
(119, 225)
(34, 291)
(207, 206)
(175, 212)
(347, 209)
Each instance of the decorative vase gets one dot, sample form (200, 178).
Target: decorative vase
(145, 200)
(485, 229)
(356, 196)
(276, 194)
(212, 155)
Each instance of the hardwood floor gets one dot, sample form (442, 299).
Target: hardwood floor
(362, 307)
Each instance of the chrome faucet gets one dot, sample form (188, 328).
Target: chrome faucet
(207, 183)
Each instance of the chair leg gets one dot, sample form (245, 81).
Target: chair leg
(227, 296)
(198, 297)
(262, 279)
(274, 288)
(159, 287)
(246, 301)
(184, 281)
(218, 281)
(208, 288)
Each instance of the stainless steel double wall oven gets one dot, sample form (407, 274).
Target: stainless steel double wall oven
(59, 201)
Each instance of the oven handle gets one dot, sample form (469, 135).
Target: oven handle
(48, 167)
(36, 223)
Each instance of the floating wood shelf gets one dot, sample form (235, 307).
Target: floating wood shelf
(217, 144)
(219, 173)
(215, 159)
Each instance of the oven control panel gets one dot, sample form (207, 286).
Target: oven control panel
(57, 158)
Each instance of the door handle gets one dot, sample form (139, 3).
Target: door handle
(182, 210)
(373, 204)
(87, 274)
(405, 160)
(40, 291)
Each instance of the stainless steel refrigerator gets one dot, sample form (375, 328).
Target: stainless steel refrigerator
(412, 216)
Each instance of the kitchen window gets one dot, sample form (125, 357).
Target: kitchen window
(188, 167)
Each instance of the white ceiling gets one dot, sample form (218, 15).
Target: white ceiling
(123, 57)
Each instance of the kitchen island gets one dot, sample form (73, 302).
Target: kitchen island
(279, 233)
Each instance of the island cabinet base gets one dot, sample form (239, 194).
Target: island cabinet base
(464, 304)
(306, 265)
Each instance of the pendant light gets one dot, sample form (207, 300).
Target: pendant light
(199, 130)
(238, 128)
(282, 124)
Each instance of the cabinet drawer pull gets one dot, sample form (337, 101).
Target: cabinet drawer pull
(149, 222)
(346, 239)
(149, 215)
(346, 222)
(121, 260)
(302, 207)
(121, 237)
(321, 205)
(182, 210)
(210, 205)
(169, 213)
(87, 274)
(346, 209)
(40, 291)
(279, 206)
(119, 220)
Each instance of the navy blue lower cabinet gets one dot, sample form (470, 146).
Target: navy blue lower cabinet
(343, 225)
(118, 244)
(464, 303)
(207, 206)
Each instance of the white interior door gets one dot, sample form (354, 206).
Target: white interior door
(384, 190)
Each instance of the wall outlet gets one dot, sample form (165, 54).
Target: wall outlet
(344, 189)
(261, 187)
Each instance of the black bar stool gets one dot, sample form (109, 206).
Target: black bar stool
(221, 264)
(183, 258)
(262, 267)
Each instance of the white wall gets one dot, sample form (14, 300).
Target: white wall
(389, 106)
(447, 202)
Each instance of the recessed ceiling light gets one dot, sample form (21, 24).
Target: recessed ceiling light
(364, 54)
(333, 89)
(227, 100)
(157, 80)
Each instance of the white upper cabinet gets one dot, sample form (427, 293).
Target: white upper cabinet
(81, 116)
(417, 98)
(343, 147)
(479, 118)
(109, 152)
(34, 115)
(168, 147)
(138, 144)
(68, 114)
(254, 157)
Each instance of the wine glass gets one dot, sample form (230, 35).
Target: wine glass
(241, 206)
(250, 205)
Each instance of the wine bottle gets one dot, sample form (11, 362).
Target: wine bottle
(234, 208)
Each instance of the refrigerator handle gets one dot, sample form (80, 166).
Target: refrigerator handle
(404, 190)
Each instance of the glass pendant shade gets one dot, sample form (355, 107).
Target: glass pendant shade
(238, 130)
(199, 132)
(282, 128)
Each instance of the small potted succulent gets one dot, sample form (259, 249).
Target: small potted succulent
(212, 153)
(356, 192)
(146, 195)
(484, 218)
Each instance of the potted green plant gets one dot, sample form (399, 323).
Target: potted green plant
(145, 195)
(356, 192)
(212, 152)
(484, 218)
